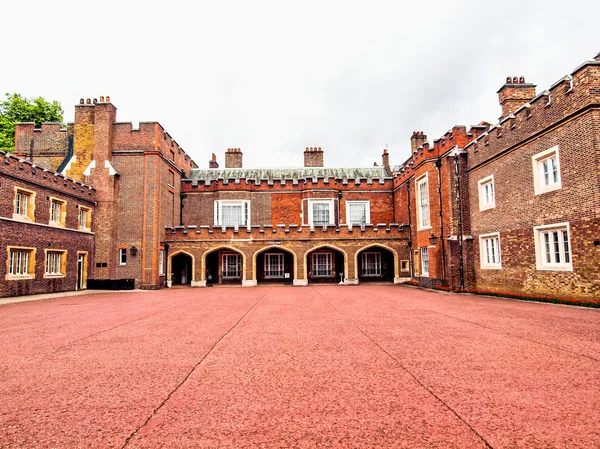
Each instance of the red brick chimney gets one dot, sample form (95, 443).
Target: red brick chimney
(213, 162)
(233, 158)
(385, 159)
(514, 94)
(313, 157)
(417, 139)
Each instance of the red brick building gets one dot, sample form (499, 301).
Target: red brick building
(47, 224)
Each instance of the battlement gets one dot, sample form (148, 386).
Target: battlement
(27, 171)
(292, 232)
(565, 98)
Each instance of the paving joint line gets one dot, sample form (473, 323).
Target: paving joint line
(517, 336)
(416, 379)
(210, 350)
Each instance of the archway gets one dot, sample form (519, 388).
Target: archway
(181, 269)
(324, 265)
(224, 266)
(375, 263)
(274, 265)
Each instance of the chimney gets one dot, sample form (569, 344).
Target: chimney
(385, 158)
(313, 157)
(213, 162)
(514, 94)
(416, 140)
(233, 158)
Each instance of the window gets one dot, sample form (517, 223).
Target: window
(423, 202)
(24, 205)
(487, 199)
(358, 212)
(232, 266)
(404, 266)
(320, 212)
(56, 262)
(424, 261)
(553, 247)
(85, 218)
(321, 265)
(122, 256)
(232, 213)
(546, 171)
(58, 212)
(371, 264)
(489, 250)
(21, 263)
(161, 262)
(274, 265)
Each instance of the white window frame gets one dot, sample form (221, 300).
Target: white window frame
(246, 214)
(423, 222)
(330, 204)
(24, 210)
(367, 205)
(55, 263)
(364, 268)
(485, 186)
(328, 264)
(225, 272)
(86, 213)
(21, 263)
(541, 245)
(280, 265)
(424, 250)
(490, 254)
(61, 205)
(161, 262)
(538, 160)
(122, 256)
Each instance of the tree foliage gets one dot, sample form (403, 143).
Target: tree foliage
(16, 108)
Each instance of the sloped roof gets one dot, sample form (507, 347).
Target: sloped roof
(289, 174)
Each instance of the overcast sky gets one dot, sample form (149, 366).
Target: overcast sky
(275, 77)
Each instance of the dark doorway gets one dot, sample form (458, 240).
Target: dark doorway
(224, 267)
(181, 269)
(324, 265)
(375, 264)
(275, 265)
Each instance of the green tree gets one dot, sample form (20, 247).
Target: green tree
(16, 108)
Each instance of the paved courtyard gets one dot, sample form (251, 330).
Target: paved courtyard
(327, 366)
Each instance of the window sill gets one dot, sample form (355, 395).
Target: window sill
(541, 190)
(19, 217)
(491, 267)
(54, 276)
(564, 267)
(56, 224)
(423, 228)
(19, 277)
(486, 207)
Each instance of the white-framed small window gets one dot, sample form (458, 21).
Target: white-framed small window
(232, 212)
(546, 171)
(370, 264)
(404, 265)
(487, 194)
(320, 212)
(553, 247)
(21, 263)
(489, 251)
(161, 262)
(122, 256)
(422, 193)
(58, 212)
(358, 212)
(424, 261)
(231, 266)
(85, 218)
(322, 265)
(56, 263)
(274, 266)
(24, 205)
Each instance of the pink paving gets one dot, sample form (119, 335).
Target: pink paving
(327, 366)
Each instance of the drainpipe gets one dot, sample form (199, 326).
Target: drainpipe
(181, 197)
(410, 248)
(460, 230)
(438, 165)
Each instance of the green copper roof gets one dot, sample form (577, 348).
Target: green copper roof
(290, 174)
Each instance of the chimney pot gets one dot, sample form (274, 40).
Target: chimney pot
(95, 100)
(107, 99)
(515, 80)
(81, 101)
(522, 80)
(101, 98)
(508, 80)
(88, 101)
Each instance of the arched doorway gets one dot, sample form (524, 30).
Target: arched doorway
(375, 263)
(224, 266)
(274, 265)
(181, 269)
(324, 265)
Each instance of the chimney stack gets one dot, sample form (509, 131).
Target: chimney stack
(213, 162)
(233, 158)
(385, 158)
(514, 94)
(313, 157)
(416, 140)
